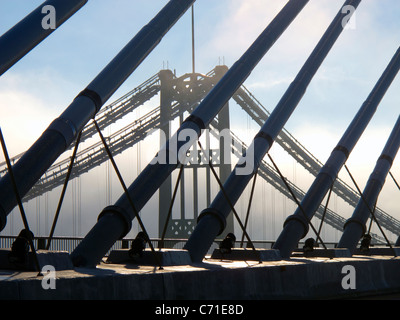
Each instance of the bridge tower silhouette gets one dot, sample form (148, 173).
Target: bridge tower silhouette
(199, 102)
(187, 88)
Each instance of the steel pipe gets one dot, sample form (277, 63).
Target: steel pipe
(211, 221)
(296, 225)
(29, 32)
(355, 227)
(64, 130)
(115, 221)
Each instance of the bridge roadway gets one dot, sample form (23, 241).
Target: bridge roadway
(295, 278)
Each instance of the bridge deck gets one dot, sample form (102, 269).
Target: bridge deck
(296, 278)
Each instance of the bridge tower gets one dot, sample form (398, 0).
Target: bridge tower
(186, 91)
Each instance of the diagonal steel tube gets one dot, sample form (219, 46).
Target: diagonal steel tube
(295, 226)
(64, 130)
(29, 32)
(212, 220)
(115, 219)
(355, 227)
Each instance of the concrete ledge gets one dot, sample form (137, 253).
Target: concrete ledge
(166, 257)
(382, 251)
(60, 260)
(299, 278)
(323, 253)
(240, 254)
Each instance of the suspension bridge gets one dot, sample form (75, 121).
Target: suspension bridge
(199, 193)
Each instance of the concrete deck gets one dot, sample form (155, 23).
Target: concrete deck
(297, 278)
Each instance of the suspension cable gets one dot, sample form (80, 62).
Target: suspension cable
(21, 208)
(127, 194)
(297, 201)
(370, 210)
(398, 186)
(64, 189)
(323, 215)
(371, 220)
(249, 205)
(161, 243)
(229, 202)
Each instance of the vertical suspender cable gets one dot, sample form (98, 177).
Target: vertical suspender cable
(115, 219)
(295, 226)
(355, 227)
(212, 220)
(19, 200)
(64, 130)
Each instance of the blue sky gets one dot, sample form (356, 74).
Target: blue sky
(52, 74)
(39, 87)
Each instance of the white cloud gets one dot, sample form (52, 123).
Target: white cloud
(270, 81)
(321, 139)
(23, 117)
(28, 104)
(244, 21)
(318, 139)
(29, 101)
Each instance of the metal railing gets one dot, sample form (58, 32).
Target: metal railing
(70, 243)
